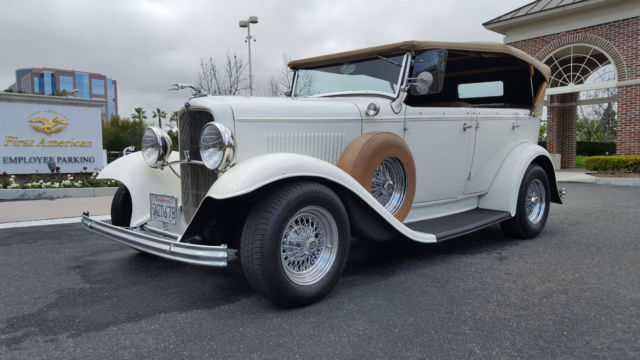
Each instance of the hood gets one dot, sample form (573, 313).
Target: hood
(249, 108)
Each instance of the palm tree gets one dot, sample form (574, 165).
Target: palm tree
(139, 114)
(158, 113)
(174, 117)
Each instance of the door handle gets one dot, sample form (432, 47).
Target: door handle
(514, 126)
(466, 127)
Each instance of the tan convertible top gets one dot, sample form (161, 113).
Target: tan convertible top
(490, 47)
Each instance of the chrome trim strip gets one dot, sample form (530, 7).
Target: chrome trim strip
(169, 249)
(197, 162)
(157, 231)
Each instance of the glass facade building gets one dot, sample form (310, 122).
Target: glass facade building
(82, 84)
(49, 81)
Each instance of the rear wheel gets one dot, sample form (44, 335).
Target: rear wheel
(295, 244)
(533, 205)
(121, 207)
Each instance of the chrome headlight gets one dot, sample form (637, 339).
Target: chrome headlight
(217, 146)
(156, 146)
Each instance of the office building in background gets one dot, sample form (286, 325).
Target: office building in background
(86, 85)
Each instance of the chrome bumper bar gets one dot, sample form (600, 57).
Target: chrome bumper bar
(170, 249)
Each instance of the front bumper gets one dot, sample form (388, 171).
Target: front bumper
(165, 247)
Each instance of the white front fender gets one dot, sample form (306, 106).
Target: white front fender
(254, 173)
(141, 180)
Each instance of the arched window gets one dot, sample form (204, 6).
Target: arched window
(580, 67)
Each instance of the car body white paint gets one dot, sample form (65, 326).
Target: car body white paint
(142, 180)
(503, 193)
(465, 157)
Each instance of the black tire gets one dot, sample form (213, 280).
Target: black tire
(521, 226)
(121, 207)
(264, 255)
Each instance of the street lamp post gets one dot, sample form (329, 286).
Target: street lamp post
(247, 24)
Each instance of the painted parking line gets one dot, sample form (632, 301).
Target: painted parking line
(71, 220)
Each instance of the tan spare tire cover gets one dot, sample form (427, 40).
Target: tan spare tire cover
(365, 153)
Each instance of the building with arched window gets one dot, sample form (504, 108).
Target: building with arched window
(593, 50)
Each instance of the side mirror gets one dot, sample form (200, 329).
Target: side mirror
(421, 84)
(428, 72)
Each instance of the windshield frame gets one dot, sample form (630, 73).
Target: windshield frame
(400, 84)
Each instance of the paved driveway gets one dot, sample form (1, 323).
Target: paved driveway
(574, 292)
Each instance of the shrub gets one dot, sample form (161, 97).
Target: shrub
(592, 148)
(616, 162)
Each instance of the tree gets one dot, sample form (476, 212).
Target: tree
(120, 133)
(139, 115)
(160, 114)
(174, 117)
(280, 83)
(542, 133)
(173, 134)
(609, 122)
(230, 81)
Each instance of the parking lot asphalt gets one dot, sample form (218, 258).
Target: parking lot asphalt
(573, 292)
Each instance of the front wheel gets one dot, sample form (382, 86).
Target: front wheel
(295, 244)
(533, 205)
(121, 207)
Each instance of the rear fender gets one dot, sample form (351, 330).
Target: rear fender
(141, 180)
(503, 192)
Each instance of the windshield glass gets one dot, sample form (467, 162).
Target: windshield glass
(373, 75)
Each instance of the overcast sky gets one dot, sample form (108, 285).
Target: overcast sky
(147, 45)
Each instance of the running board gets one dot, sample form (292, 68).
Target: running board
(459, 224)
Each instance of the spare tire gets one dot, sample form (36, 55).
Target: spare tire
(382, 163)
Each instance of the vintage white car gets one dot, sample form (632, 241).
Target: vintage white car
(414, 140)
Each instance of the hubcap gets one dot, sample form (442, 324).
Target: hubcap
(309, 245)
(389, 184)
(535, 201)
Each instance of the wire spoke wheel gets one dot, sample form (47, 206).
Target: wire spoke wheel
(309, 245)
(535, 203)
(389, 184)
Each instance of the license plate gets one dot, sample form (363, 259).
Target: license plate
(164, 208)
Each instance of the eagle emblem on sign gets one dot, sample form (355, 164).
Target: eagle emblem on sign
(49, 126)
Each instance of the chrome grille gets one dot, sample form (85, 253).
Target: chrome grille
(195, 180)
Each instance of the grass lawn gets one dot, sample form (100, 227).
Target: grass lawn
(580, 161)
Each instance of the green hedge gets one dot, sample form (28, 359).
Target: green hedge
(590, 148)
(617, 162)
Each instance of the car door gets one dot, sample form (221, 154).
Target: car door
(494, 139)
(441, 140)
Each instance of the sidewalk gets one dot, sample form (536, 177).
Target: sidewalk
(582, 176)
(574, 175)
(26, 210)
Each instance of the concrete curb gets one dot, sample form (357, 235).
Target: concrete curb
(618, 181)
(48, 194)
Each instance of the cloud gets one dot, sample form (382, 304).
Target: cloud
(147, 45)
